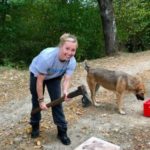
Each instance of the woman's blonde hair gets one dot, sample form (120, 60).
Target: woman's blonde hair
(68, 37)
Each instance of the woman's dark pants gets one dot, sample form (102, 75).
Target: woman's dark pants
(54, 90)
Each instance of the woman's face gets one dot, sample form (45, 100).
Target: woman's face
(67, 50)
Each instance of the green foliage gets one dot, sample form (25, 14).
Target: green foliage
(133, 22)
(29, 26)
(35, 25)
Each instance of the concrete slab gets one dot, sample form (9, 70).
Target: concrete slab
(94, 143)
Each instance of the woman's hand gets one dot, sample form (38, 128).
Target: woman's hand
(43, 106)
(66, 96)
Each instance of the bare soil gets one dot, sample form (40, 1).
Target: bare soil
(130, 131)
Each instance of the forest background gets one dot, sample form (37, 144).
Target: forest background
(28, 26)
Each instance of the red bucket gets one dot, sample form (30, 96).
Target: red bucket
(146, 107)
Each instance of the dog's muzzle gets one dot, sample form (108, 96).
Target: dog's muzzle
(140, 96)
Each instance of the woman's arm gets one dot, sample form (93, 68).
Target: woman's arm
(39, 88)
(66, 84)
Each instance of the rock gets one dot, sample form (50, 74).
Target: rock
(17, 140)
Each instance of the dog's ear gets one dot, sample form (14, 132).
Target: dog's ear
(135, 81)
(137, 78)
(139, 84)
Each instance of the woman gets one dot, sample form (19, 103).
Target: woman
(47, 69)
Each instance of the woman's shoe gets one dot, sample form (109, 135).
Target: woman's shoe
(62, 136)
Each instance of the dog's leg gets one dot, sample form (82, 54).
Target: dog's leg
(120, 88)
(93, 94)
(120, 103)
(97, 87)
(92, 87)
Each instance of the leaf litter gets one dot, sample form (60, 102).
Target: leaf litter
(14, 87)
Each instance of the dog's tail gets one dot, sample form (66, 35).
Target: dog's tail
(86, 67)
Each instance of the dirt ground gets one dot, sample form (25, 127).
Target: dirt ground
(130, 131)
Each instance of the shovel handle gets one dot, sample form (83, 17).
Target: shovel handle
(75, 93)
(51, 104)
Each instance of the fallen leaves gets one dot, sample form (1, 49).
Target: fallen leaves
(38, 143)
(14, 86)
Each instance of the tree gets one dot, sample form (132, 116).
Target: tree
(109, 25)
(3, 11)
(133, 25)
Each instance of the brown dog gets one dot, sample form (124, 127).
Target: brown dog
(116, 81)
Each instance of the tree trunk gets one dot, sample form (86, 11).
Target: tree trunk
(3, 4)
(109, 25)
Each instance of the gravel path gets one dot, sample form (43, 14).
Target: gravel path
(131, 131)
